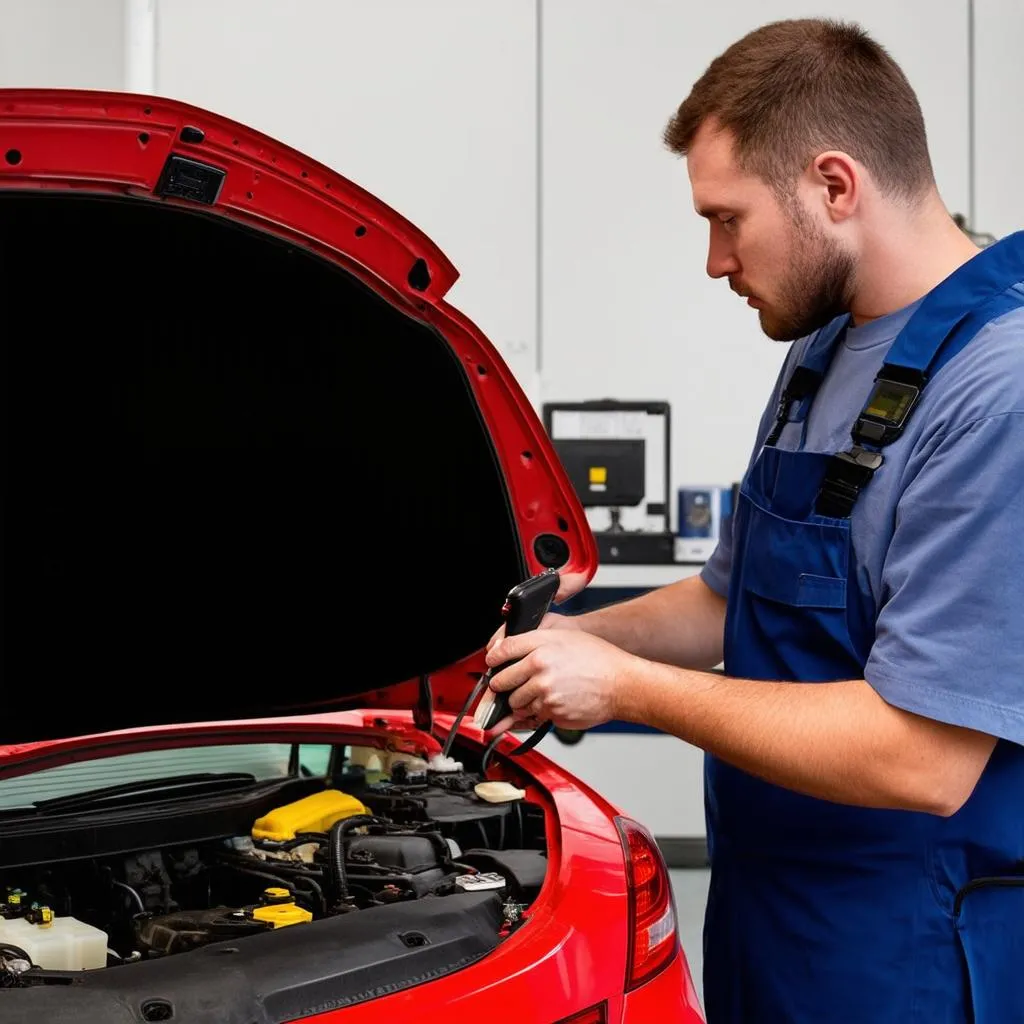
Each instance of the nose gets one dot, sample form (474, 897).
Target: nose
(722, 261)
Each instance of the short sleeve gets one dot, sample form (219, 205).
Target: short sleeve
(949, 639)
(718, 567)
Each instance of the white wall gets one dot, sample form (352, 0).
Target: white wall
(428, 104)
(999, 123)
(75, 44)
(627, 309)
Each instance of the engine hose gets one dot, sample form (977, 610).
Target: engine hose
(136, 898)
(317, 892)
(528, 744)
(336, 852)
(438, 841)
(274, 880)
(301, 839)
(298, 872)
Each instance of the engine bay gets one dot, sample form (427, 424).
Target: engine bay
(372, 842)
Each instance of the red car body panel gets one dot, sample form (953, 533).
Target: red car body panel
(572, 954)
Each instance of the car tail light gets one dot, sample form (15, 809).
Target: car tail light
(652, 913)
(595, 1015)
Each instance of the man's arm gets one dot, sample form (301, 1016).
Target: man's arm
(680, 624)
(835, 741)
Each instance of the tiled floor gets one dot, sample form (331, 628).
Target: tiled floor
(691, 891)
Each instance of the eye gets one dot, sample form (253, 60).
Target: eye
(729, 223)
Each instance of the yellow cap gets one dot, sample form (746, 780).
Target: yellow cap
(280, 915)
(276, 894)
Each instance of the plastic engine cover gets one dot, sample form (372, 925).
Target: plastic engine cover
(314, 813)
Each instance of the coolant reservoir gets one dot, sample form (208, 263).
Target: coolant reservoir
(278, 908)
(66, 944)
(315, 813)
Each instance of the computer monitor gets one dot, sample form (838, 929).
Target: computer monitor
(606, 472)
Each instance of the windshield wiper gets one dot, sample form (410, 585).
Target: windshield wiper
(144, 789)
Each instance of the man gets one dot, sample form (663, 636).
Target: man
(865, 774)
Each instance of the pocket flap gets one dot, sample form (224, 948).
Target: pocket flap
(800, 589)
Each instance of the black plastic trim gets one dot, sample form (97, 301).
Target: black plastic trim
(112, 831)
(283, 975)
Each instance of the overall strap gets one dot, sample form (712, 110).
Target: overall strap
(982, 290)
(808, 375)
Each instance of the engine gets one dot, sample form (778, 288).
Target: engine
(416, 835)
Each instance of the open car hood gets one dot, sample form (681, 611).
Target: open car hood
(254, 464)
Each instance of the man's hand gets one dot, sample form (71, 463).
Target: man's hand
(550, 621)
(564, 676)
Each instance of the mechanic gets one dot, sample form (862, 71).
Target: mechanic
(864, 774)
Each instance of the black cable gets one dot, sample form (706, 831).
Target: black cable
(318, 893)
(528, 744)
(274, 880)
(481, 685)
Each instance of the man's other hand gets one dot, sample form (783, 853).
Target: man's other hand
(565, 676)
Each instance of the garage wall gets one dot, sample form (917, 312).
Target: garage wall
(483, 121)
(431, 106)
(999, 124)
(75, 44)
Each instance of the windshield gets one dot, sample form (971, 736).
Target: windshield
(264, 761)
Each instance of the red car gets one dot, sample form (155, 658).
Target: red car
(265, 493)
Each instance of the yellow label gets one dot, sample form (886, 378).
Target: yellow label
(599, 474)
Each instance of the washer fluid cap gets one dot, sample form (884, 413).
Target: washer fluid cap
(498, 792)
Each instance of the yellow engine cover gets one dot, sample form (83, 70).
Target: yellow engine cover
(315, 813)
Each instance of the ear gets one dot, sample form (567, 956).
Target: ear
(836, 178)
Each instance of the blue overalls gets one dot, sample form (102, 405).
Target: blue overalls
(818, 912)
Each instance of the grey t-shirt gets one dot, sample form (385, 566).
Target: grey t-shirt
(938, 534)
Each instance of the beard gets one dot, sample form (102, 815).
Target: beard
(818, 285)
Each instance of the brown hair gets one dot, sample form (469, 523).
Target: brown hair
(793, 89)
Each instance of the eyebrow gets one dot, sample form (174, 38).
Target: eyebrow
(710, 210)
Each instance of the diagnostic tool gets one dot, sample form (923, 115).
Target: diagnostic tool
(525, 607)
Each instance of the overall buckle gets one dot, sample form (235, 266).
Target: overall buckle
(846, 474)
(887, 410)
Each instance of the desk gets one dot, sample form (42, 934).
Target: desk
(643, 577)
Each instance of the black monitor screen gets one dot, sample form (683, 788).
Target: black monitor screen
(606, 472)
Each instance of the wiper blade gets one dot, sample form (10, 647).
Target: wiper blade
(143, 789)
